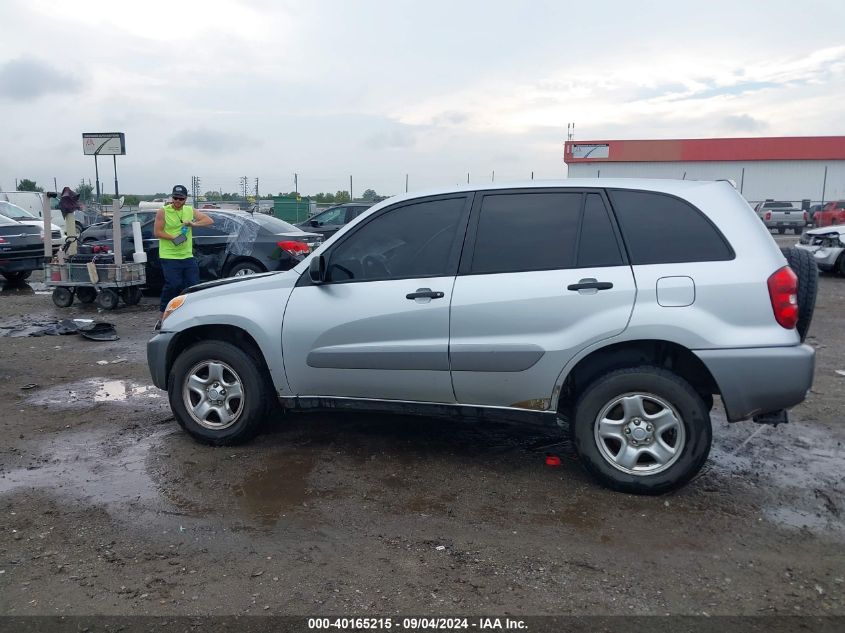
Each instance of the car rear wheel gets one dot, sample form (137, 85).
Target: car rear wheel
(246, 268)
(219, 393)
(642, 430)
(804, 266)
(781, 231)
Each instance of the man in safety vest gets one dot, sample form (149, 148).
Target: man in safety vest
(173, 228)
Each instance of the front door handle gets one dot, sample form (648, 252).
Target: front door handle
(425, 293)
(590, 284)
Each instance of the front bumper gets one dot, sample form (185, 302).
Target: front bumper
(754, 381)
(825, 256)
(157, 357)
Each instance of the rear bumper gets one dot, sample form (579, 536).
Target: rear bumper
(753, 381)
(21, 265)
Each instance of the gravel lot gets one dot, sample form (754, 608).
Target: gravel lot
(106, 507)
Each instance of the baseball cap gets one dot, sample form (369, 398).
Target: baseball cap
(180, 190)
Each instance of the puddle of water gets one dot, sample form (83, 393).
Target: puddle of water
(95, 390)
(88, 466)
(269, 493)
(800, 468)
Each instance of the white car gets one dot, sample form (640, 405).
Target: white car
(827, 245)
(22, 216)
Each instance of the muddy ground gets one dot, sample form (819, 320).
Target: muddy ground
(106, 507)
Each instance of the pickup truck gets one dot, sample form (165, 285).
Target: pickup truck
(832, 213)
(781, 216)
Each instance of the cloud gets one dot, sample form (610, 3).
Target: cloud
(208, 140)
(743, 123)
(396, 138)
(26, 79)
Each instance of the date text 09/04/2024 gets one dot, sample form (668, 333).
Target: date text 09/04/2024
(415, 624)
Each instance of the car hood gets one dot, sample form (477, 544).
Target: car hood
(827, 230)
(245, 283)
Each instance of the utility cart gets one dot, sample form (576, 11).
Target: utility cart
(105, 283)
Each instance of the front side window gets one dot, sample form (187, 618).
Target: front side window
(332, 216)
(661, 229)
(527, 231)
(411, 241)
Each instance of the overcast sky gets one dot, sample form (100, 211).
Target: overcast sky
(381, 88)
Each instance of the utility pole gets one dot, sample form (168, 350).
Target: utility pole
(256, 190)
(350, 187)
(195, 187)
(295, 183)
(467, 177)
(244, 185)
(493, 177)
(406, 183)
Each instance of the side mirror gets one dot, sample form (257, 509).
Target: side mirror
(313, 223)
(317, 269)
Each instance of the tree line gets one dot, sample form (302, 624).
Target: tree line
(86, 194)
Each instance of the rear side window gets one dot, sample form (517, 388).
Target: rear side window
(598, 246)
(526, 231)
(660, 229)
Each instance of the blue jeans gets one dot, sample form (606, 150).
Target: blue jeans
(178, 275)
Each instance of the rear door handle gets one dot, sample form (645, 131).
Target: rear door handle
(425, 293)
(590, 284)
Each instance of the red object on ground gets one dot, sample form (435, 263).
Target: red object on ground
(553, 460)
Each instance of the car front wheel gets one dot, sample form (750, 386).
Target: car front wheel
(219, 393)
(642, 430)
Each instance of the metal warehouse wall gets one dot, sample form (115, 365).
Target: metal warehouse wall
(778, 179)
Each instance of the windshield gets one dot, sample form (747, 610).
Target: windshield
(15, 212)
(5, 220)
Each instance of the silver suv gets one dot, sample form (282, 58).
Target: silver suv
(615, 309)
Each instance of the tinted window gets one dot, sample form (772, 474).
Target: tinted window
(598, 246)
(659, 229)
(275, 225)
(407, 242)
(526, 231)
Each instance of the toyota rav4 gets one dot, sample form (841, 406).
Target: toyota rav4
(616, 309)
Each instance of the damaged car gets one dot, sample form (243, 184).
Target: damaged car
(237, 244)
(827, 245)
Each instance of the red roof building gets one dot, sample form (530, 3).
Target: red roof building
(782, 168)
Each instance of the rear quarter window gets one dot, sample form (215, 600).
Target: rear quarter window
(661, 229)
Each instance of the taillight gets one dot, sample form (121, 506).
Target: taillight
(294, 248)
(783, 291)
(768, 215)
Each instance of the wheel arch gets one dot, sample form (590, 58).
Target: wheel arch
(229, 333)
(233, 261)
(627, 354)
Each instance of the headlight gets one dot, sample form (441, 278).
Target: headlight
(175, 304)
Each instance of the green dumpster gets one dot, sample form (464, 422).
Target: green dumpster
(291, 210)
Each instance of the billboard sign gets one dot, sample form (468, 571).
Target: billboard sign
(584, 150)
(103, 143)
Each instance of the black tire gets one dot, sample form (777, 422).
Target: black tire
(804, 266)
(86, 294)
(781, 231)
(62, 297)
(107, 299)
(253, 408)
(693, 433)
(246, 268)
(131, 295)
(18, 276)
